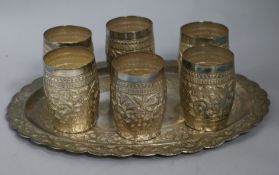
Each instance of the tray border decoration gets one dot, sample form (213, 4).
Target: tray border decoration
(24, 127)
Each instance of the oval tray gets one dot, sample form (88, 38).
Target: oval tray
(26, 114)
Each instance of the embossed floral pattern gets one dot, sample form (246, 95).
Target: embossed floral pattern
(138, 112)
(173, 140)
(207, 100)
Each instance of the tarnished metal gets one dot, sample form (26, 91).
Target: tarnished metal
(72, 88)
(69, 35)
(202, 33)
(138, 95)
(27, 115)
(128, 34)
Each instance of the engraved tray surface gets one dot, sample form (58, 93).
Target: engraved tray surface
(26, 114)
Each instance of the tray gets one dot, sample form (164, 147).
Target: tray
(26, 114)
